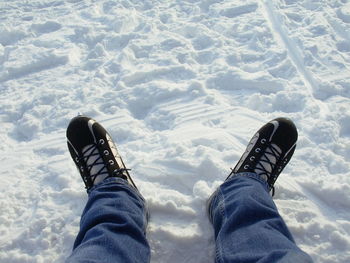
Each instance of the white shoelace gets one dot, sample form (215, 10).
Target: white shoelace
(94, 162)
(268, 161)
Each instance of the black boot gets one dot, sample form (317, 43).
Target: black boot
(269, 151)
(94, 152)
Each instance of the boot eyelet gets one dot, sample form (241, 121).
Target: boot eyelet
(252, 158)
(263, 141)
(111, 162)
(257, 150)
(246, 166)
(106, 152)
(101, 141)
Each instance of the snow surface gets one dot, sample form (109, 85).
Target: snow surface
(181, 86)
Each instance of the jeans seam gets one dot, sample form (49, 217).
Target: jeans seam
(221, 206)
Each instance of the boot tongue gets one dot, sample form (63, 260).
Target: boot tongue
(95, 163)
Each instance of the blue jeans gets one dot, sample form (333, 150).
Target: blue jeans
(247, 225)
(112, 226)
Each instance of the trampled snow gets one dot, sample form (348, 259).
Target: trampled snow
(181, 86)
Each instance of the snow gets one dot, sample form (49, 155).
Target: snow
(181, 86)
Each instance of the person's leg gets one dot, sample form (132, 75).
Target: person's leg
(113, 224)
(247, 225)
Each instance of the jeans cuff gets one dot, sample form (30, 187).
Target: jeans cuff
(114, 180)
(252, 176)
